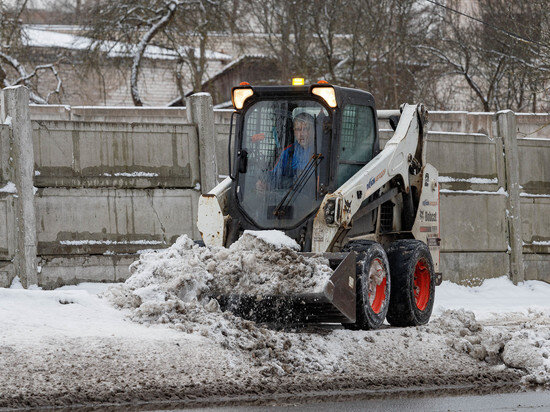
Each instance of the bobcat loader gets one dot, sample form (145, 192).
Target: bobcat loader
(306, 160)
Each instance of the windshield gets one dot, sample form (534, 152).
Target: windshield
(287, 145)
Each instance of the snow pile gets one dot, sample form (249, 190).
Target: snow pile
(493, 297)
(173, 287)
(520, 341)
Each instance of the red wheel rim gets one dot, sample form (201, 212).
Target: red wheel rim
(377, 298)
(421, 284)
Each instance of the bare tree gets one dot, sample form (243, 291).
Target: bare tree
(358, 43)
(12, 70)
(400, 50)
(327, 21)
(285, 31)
(131, 27)
(499, 57)
(190, 36)
(381, 56)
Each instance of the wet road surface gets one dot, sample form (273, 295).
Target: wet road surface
(522, 401)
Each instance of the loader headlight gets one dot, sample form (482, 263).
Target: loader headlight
(327, 93)
(239, 95)
(330, 208)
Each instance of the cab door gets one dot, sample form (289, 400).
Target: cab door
(357, 140)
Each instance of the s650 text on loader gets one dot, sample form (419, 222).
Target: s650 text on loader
(306, 160)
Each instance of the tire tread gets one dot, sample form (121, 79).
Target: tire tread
(403, 255)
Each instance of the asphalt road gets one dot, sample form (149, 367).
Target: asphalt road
(522, 401)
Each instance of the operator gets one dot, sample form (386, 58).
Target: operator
(295, 157)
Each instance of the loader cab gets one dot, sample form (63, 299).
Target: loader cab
(293, 145)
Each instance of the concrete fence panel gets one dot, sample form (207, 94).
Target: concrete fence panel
(7, 226)
(56, 271)
(465, 160)
(473, 222)
(533, 125)
(461, 122)
(106, 114)
(128, 155)
(536, 224)
(534, 165)
(7, 212)
(534, 180)
(113, 221)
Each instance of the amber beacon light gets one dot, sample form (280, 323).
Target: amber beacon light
(326, 93)
(239, 95)
(298, 81)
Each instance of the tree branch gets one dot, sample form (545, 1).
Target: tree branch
(142, 45)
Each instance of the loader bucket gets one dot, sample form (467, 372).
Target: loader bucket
(336, 303)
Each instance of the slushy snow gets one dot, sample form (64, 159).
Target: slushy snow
(160, 334)
(174, 287)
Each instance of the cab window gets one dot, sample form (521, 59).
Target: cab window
(356, 140)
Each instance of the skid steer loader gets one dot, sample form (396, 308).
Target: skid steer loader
(306, 160)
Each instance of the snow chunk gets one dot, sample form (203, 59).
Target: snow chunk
(16, 283)
(274, 237)
(526, 348)
(9, 188)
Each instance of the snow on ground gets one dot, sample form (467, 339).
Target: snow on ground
(158, 336)
(69, 311)
(493, 297)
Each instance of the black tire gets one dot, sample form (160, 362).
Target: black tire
(410, 266)
(371, 310)
(199, 243)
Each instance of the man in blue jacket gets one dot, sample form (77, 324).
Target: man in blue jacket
(296, 156)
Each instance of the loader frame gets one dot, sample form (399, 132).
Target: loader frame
(397, 181)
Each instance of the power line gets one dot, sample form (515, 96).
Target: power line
(507, 32)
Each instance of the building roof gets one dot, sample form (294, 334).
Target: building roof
(38, 37)
(245, 58)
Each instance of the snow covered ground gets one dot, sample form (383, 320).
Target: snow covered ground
(72, 345)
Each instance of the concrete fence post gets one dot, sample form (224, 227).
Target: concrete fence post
(506, 128)
(15, 112)
(200, 111)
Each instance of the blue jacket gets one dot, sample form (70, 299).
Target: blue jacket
(293, 160)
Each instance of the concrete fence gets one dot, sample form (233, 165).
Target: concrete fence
(84, 189)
